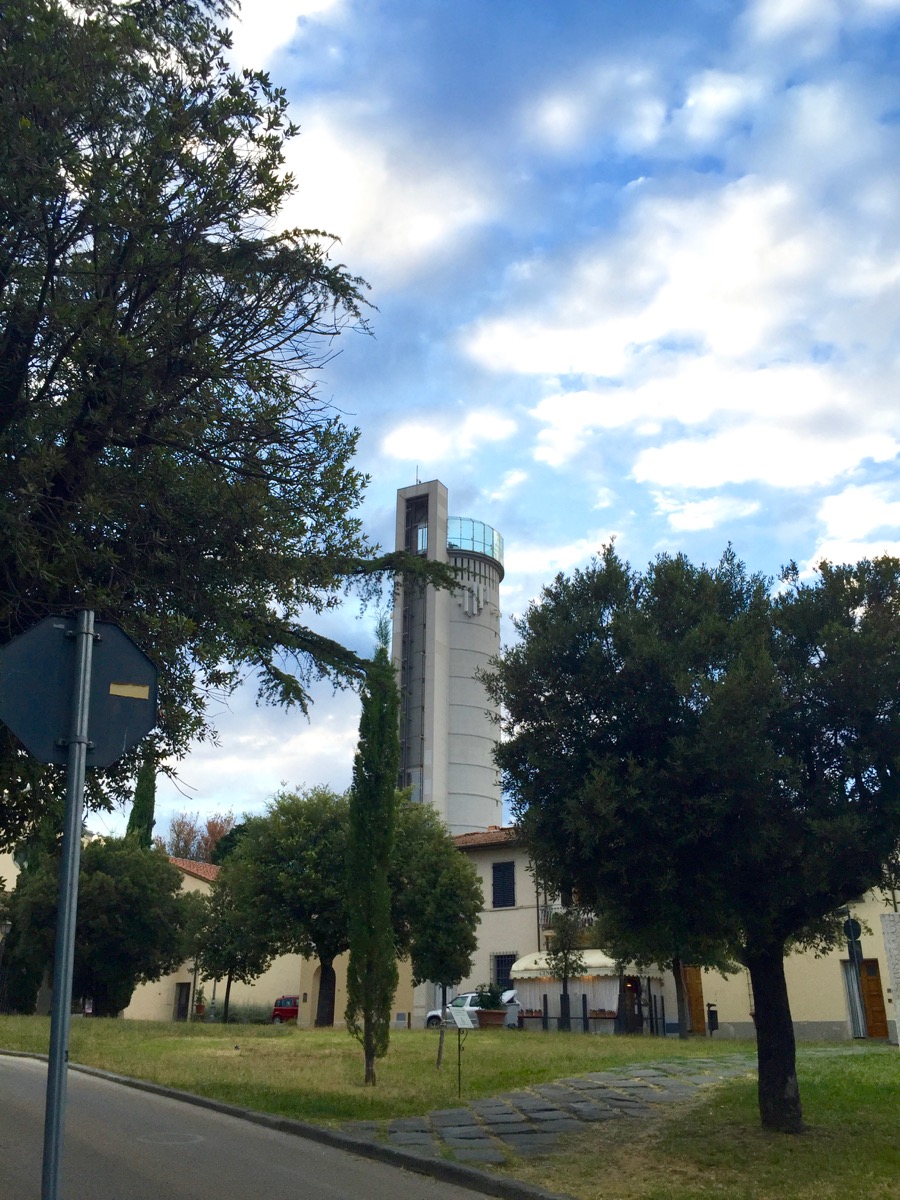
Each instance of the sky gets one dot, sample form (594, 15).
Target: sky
(635, 270)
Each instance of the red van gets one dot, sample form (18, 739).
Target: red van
(285, 1009)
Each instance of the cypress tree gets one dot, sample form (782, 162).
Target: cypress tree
(141, 822)
(372, 974)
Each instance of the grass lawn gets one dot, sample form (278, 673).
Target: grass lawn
(716, 1148)
(712, 1147)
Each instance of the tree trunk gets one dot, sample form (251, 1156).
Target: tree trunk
(681, 998)
(565, 1022)
(325, 1006)
(227, 999)
(779, 1093)
(369, 1054)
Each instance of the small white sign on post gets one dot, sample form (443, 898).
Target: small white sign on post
(461, 1018)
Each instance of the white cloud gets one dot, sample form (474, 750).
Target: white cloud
(261, 749)
(621, 102)
(816, 20)
(762, 453)
(510, 482)
(523, 558)
(695, 515)
(696, 391)
(393, 208)
(722, 271)
(860, 510)
(449, 438)
(265, 26)
(715, 99)
(838, 551)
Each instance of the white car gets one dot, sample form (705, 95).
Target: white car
(467, 1001)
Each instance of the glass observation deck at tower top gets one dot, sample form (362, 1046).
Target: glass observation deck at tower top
(465, 534)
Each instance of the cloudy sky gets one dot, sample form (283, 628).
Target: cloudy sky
(636, 269)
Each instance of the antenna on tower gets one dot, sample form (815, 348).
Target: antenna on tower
(418, 480)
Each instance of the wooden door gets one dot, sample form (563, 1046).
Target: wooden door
(693, 987)
(873, 998)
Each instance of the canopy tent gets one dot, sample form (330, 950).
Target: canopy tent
(596, 963)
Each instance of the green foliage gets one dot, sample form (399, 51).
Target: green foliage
(372, 970)
(564, 949)
(488, 995)
(288, 874)
(130, 925)
(228, 942)
(706, 764)
(140, 821)
(437, 898)
(165, 458)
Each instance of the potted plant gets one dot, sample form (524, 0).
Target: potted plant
(491, 1009)
(199, 1002)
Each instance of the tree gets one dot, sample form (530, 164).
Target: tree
(289, 870)
(190, 839)
(140, 821)
(130, 925)
(229, 943)
(437, 897)
(711, 762)
(372, 970)
(165, 458)
(564, 953)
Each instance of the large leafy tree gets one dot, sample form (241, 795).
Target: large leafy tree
(711, 762)
(130, 927)
(437, 898)
(372, 969)
(229, 941)
(165, 459)
(288, 872)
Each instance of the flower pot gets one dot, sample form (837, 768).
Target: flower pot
(491, 1018)
(199, 1010)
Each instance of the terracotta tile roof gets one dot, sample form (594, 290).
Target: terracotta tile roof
(494, 835)
(200, 870)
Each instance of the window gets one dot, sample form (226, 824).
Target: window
(504, 889)
(503, 964)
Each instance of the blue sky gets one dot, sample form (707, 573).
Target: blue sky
(636, 270)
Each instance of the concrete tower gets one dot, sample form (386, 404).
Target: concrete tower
(440, 640)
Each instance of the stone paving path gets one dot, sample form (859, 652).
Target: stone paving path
(530, 1121)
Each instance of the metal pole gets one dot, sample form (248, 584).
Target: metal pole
(60, 1017)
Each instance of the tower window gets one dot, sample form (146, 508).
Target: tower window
(504, 884)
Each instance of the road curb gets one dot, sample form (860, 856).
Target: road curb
(441, 1169)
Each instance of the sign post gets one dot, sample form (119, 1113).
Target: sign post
(463, 1021)
(81, 694)
(61, 1013)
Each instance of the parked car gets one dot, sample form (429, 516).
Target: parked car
(285, 1009)
(467, 1000)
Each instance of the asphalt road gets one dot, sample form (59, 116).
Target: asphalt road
(123, 1144)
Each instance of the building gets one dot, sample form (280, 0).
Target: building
(441, 640)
